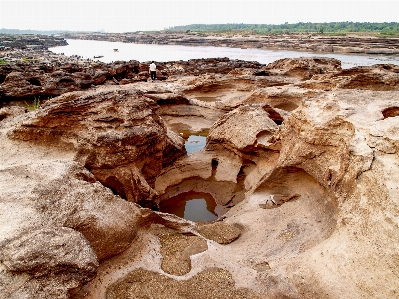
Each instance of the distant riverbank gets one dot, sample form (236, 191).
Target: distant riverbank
(350, 44)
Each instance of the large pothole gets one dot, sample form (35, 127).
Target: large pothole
(194, 206)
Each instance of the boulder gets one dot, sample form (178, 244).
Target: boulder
(383, 77)
(229, 131)
(51, 251)
(305, 67)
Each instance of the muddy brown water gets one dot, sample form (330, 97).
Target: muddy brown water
(194, 206)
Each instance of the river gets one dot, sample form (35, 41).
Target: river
(165, 53)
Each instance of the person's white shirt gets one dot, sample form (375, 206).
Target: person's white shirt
(153, 67)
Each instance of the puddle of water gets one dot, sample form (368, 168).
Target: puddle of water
(187, 133)
(195, 143)
(194, 206)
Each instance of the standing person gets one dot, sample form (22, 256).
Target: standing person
(153, 71)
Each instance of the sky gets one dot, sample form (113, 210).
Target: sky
(137, 15)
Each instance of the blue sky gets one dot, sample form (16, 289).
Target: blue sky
(125, 16)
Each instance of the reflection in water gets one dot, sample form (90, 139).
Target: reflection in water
(195, 144)
(191, 205)
(187, 133)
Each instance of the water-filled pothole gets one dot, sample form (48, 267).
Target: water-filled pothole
(194, 142)
(194, 206)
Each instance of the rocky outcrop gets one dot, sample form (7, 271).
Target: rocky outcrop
(302, 160)
(117, 134)
(304, 68)
(51, 251)
(229, 132)
(57, 222)
(31, 41)
(27, 74)
(377, 77)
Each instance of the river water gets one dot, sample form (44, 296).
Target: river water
(165, 53)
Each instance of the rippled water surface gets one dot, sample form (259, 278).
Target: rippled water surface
(164, 53)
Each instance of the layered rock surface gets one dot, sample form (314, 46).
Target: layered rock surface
(303, 160)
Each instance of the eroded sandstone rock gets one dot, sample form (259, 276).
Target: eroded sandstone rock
(229, 132)
(305, 67)
(377, 77)
(325, 152)
(51, 251)
(119, 137)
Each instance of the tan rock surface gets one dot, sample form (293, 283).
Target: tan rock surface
(314, 201)
(219, 232)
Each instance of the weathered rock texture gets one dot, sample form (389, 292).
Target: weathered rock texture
(42, 75)
(117, 134)
(31, 41)
(301, 155)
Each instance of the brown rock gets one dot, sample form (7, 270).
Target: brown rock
(51, 251)
(230, 132)
(120, 137)
(305, 67)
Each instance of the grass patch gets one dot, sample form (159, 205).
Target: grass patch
(34, 105)
(3, 61)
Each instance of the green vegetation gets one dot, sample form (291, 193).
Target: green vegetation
(389, 29)
(3, 61)
(34, 105)
(26, 59)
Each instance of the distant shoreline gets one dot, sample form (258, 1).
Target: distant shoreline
(352, 44)
(316, 43)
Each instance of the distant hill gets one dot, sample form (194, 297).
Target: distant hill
(333, 27)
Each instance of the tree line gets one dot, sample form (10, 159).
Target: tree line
(332, 27)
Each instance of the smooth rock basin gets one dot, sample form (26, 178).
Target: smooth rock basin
(194, 206)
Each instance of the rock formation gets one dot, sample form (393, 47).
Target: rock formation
(81, 178)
